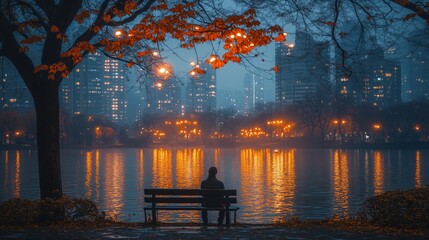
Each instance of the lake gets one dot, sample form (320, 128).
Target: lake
(272, 183)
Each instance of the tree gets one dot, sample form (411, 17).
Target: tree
(45, 40)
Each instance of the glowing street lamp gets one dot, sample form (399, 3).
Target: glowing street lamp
(118, 33)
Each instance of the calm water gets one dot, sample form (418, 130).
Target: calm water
(272, 184)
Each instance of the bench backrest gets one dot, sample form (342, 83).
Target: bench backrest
(163, 195)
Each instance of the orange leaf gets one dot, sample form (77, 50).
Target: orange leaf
(276, 69)
(54, 29)
(280, 38)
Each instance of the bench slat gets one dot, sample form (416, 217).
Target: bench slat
(181, 200)
(190, 208)
(166, 191)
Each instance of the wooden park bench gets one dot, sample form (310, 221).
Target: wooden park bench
(187, 199)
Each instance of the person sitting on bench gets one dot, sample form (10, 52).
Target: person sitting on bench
(213, 200)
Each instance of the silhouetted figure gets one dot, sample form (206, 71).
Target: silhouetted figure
(213, 200)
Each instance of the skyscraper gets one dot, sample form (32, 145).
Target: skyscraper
(303, 68)
(363, 73)
(114, 105)
(253, 91)
(415, 69)
(81, 92)
(201, 91)
(163, 97)
(96, 87)
(13, 92)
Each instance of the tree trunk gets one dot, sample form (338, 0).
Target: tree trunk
(46, 102)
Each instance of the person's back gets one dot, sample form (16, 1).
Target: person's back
(213, 200)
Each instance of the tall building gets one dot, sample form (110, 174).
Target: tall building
(303, 68)
(96, 87)
(230, 99)
(114, 105)
(363, 74)
(163, 97)
(81, 92)
(381, 82)
(415, 69)
(253, 91)
(13, 91)
(201, 91)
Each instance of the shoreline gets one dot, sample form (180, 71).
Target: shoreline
(272, 145)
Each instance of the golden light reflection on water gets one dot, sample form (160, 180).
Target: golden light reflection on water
(114, 182)
(17, 175)
(88, 175)
(141, 170)
(162, 168)
(340, 183)
(378, 173)
(189, 167)
(281, 181)
(267, 179)
(418, 171)
(97, 174)
(216, 156)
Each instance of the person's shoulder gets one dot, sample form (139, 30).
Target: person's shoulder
(220, 184)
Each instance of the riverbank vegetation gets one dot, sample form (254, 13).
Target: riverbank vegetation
(401, 126)
(393, 212)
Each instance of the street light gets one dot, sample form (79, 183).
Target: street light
(118, 33)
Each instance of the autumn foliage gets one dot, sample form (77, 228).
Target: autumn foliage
(239, 34)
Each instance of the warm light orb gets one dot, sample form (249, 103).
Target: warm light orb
(118, 33)
(212, 59)
(162, 70)
(158, 85)
(155, 54)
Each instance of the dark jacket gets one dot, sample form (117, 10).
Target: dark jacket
(211, 200)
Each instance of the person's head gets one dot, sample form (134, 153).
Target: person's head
(212, 171)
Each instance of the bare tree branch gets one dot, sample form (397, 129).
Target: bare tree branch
(415, 8)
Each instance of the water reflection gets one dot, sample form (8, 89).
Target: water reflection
(162, 168)
(281, 182)
(271, 184)
(189, 167)
(141, 170)
(378, 173)
(267, 179)
(418, 176)
(88, 176)
(114, 182)
(340, 181)
(97, 175)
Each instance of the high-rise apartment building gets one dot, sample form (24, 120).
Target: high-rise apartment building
(201, 91)
(163, 96)
(81, 92)
(114, 105)
(363, 74)
(253, 91)
(13, 92)
(96, 87)
(415, 69)
(303, 68)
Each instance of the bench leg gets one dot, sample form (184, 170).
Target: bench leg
(228, 221)
(145, 218)
(235, 217)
